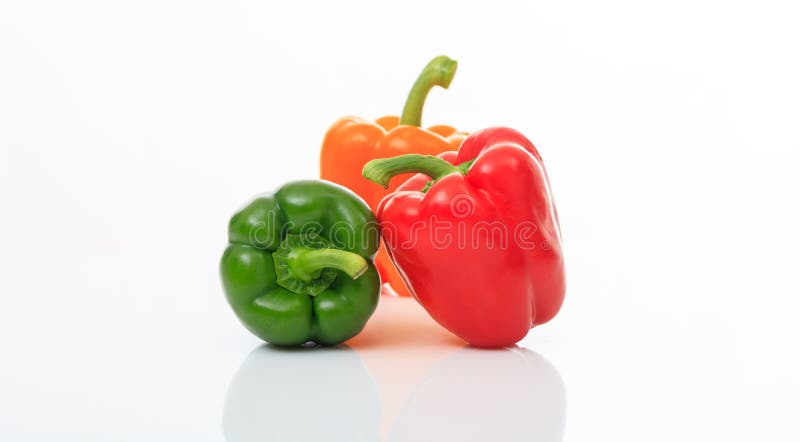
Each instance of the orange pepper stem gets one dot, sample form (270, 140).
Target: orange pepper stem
(382, 170)
(438, 72)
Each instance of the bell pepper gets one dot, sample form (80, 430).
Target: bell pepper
(298, 265)
(352, 141)
(477, 239)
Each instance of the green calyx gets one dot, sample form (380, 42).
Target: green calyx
(438, 72)
(382, 170)
(307, 263)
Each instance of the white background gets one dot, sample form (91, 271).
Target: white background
(130, 131)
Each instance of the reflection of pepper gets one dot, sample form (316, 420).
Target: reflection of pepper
(529, 387)
(480, 245)
(298, 267)
(353, 141)
(326, 394)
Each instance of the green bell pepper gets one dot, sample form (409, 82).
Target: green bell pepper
(298, 267)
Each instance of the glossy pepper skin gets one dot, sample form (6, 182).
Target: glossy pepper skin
(480, 244)
(352, 141)
(298, 265)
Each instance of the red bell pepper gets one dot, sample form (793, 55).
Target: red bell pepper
(476, 236)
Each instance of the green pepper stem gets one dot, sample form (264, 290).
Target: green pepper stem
(382, 170)
(439, 72)
(308, 262)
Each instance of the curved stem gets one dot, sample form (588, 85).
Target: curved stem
(309, 262)
(438, 72)
(382, 170)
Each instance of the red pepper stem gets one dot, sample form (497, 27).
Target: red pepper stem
(308, 262)
(382, 170)
(438, 72)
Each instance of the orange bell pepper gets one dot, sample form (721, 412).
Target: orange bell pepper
(352, 141)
